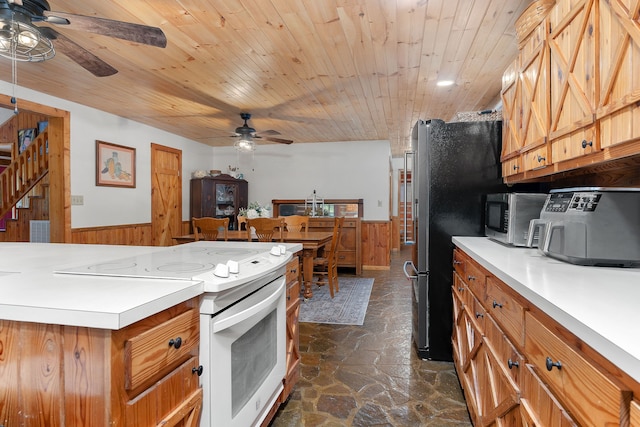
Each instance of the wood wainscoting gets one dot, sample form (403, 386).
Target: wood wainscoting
(125, 234)
(376, 239)
(376, 245)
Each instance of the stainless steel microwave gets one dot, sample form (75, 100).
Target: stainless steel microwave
(507, 216)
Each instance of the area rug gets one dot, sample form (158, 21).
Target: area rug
(348, 307)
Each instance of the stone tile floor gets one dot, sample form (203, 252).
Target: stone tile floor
(370, 375)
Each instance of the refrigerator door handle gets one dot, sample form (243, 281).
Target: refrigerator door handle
(409, 166)
(413, 267)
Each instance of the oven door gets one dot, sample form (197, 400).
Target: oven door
(243, 353)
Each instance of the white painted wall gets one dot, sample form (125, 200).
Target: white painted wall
(335, 170)
(339, 170)
(108, 205)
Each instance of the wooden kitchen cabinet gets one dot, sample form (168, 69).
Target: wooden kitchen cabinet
(590, 93)
(525, 101)
(587, 392)
(529, 371)
(618, 109)
(73, 376)
(221, 196)
(574, 76)
(293, 332)
(491, 391)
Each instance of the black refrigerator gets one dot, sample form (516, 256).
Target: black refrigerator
(453, 167)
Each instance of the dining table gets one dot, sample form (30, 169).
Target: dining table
(313, 244)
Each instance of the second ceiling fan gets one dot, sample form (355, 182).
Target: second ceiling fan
(246, 134)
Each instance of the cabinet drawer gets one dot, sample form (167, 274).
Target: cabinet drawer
(160, 348)
(536, 159)
(293, 293)
(510, 360)
(475, 278)
(512, 166)
(174, 397)
(506, 310)
(293, 269)
(586, 392)
(459, 262)
(538, 406)
(346, 258)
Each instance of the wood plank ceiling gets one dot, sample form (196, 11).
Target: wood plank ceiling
(312, 70)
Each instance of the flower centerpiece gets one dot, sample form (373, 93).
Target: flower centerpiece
(255, 210)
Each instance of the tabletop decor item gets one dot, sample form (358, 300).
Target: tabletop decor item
(255, 210)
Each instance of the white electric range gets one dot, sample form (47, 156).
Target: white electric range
(242, 319)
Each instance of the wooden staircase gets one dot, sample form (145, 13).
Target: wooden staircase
(26, 178)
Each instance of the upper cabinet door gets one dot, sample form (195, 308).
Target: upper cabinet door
(574, 78)
(534, 88)
(618, 111)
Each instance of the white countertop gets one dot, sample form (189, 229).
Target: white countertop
(600, 305)
(30, 291)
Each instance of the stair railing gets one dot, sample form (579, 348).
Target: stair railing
(24, 173)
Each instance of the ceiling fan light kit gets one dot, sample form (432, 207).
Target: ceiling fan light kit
(245, 143)
(247, 135)
(19, 40)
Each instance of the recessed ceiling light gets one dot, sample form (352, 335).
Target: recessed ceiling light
(445, 83)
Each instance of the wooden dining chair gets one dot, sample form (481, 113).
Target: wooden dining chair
(325, 268)
(266, 229)
(242, 222)
(209, 227)
(296, 223)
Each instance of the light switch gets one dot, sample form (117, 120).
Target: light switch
(77, 200)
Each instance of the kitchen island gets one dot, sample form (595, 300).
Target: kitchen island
(79, 349)
(544, 340)
(31, 292)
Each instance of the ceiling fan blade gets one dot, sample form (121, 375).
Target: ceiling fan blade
(270, 132)
(138, 33)
(280, 140)
(78, 54)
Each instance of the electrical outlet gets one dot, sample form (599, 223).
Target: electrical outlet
(77, 200)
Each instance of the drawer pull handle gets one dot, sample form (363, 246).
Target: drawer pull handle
(175, 343)
(471, 278)
(541, 159)
(456, 262)
(460, 289)
(516, 167)
(496, 304)
(478, 315)
(511, 364)
(197, 370)
(550, 364)
(586, 144)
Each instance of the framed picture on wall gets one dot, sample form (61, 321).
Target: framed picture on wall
(25, 138)
(115, 165)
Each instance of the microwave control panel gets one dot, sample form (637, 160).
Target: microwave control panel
(572, 202)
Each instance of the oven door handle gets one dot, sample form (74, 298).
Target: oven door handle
(252, 310)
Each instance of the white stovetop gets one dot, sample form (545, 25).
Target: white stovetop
(600, 305)
(31, 291)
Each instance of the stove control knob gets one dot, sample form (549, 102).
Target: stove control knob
(234, 267)
(275, 251)
(221, 270)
